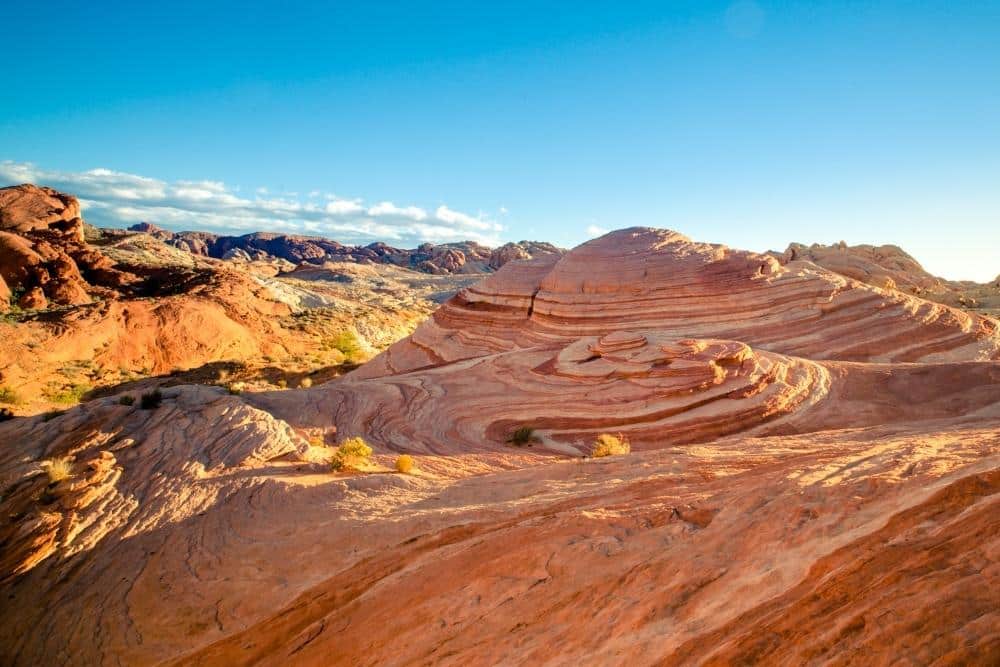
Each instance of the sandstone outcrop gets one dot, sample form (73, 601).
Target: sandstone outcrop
(522, 250)
(890, 267)
(44, 256)
(121, 306)
(643, 279)
(30, 208)
(814, 479)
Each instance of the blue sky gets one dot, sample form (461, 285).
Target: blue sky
(747, 123)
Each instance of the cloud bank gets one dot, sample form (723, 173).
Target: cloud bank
(117, 199)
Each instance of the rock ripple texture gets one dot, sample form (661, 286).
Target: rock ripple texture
(814, 479)
(644, 279)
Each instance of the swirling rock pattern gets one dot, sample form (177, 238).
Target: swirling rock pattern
(653, 388)
(814, 480)
(648, 279)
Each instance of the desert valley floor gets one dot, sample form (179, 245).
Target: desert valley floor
(813, 479)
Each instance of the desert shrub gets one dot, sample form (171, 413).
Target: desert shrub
(306, 382)
(126, 399)
(15, 296)
(9, 396)
(610, 445)
(404, 463)
(348, 345)
(351, 454)
(6, 414)
(521, 436)
(57, 469)
(151, 400)
(236, 388)
(283, 383)
(69, 395)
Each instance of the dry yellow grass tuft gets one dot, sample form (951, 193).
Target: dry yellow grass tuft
(57, 469)
(404, 464)
(610, 445)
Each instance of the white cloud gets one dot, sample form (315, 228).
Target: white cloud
(114, 199)
(388, 208)
(447, 215)
(594, 231)
(343, 207)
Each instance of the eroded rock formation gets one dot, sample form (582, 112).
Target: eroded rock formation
(814, 480)
(43, 254)
(890, 267)
(645, 279)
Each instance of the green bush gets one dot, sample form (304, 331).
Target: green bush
(348, 345)
(9, 396)
(151, 400)
(70, 395)
(126, 399)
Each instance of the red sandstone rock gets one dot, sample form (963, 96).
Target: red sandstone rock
(523, 250)
(29, 208)
(890, 267)
(33, 299)
(814, 480)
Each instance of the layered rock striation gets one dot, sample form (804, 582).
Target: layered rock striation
(814, 479)
(644, 279)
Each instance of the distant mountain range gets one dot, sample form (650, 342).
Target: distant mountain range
(463, 257)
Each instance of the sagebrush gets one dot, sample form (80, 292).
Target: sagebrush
(351, 454)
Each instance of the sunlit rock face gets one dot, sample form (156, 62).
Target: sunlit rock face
(662, 339)
(813, 479)
(644, 279)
